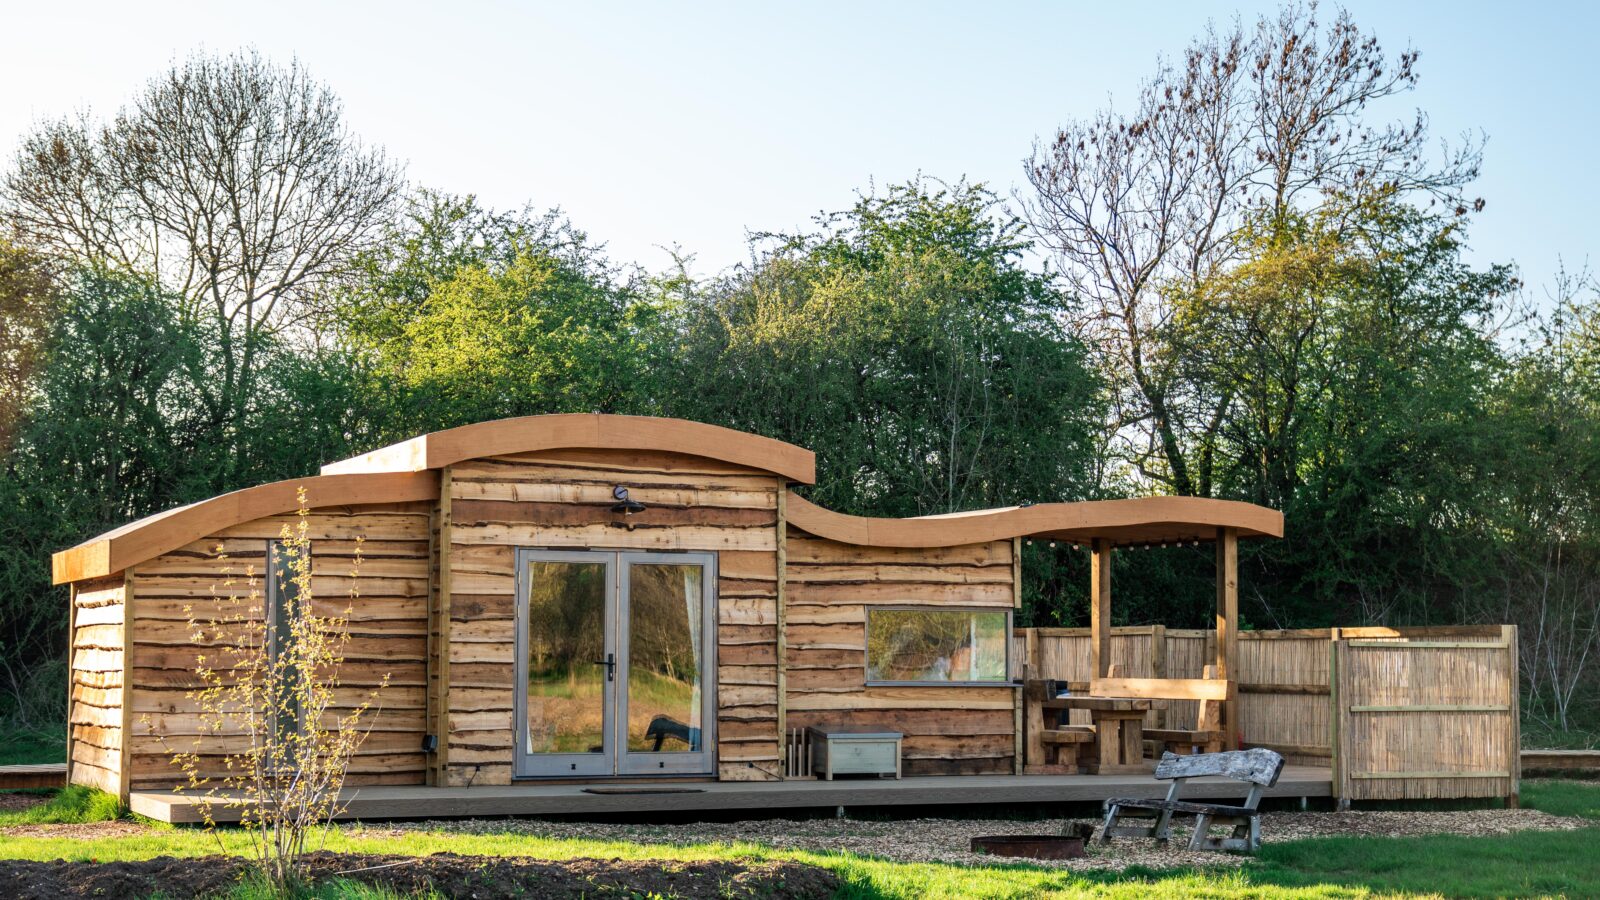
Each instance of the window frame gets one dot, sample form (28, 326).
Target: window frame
(276, 632)
(866, 650)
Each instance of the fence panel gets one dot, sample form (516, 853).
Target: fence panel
(1422, 718)
(1283, 693)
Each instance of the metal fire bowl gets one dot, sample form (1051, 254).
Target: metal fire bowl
(1031, 846)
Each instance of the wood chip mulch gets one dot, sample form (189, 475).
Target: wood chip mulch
(949, 840)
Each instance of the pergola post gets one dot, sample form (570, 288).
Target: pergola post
(1228, 626)
(1100, 608)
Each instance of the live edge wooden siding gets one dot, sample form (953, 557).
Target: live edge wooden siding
(388, 634)
(562, 499)
(95, 715)
(829, 586)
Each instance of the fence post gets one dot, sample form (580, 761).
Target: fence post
(1508, 636)
(1158, 668)
(1335, 734)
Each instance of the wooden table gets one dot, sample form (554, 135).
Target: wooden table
(1118, 731)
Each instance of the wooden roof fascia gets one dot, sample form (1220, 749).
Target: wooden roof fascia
(592, 431)
(147, 538)
(1135, 521)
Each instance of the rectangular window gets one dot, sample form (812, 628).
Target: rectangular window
(930, 645)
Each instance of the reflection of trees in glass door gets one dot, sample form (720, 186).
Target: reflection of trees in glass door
(566, 682)
(614, 653)
(670, 630)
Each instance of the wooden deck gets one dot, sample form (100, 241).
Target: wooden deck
(1561, 760)
(535, 799)
(39, 775)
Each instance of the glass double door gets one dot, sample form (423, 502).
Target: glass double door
(614, 663)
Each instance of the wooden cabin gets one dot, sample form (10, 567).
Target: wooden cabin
(600, 598)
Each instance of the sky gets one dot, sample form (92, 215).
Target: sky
(655, 125)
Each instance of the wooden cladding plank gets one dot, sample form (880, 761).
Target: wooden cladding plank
(597, 491)
(604, 475)
(804, 549)
(375, 525)
(910, 721)
(913, 593)
(908, 572)
(893, 698)
(849, 636)
(761, 611)
(824, 614)
(613, 535)
(104, 637)
(474, 513)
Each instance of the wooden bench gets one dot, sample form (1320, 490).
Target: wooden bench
(1062, 747)
(1049, 750)
(1212, 693)
(1207, 736)
(1260, 767)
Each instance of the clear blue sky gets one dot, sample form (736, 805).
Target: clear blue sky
(654, 123)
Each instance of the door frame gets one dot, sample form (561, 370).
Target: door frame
(615, 760)
(577, 765)
(698, 762)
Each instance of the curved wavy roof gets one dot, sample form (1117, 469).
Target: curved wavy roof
(585, 431)
(1136, 521)
(165, 532)
(405, 472)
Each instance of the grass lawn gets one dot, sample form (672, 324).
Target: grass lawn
(1520, 865)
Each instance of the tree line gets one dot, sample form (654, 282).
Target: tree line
(1248, 285)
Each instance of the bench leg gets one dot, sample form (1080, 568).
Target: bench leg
(1112, 811)
(1244, 836)
(1163, 830)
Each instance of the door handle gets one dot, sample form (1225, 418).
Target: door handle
(610, 662)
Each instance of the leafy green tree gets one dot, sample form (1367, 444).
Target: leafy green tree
(1544, 513)
(468, 314)
(114, 432)
(1349, 359)
(909, 346)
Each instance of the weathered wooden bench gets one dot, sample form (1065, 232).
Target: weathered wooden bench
(1260, 767)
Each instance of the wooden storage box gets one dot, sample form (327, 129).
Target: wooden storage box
(842, 751)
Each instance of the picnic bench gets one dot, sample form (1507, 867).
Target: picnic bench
(1207, 736)
(1260, 767)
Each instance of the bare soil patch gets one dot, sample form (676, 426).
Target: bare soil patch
(11, 801)
(83, 831)
(483, 877)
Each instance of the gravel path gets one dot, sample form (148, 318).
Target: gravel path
(949, 840)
